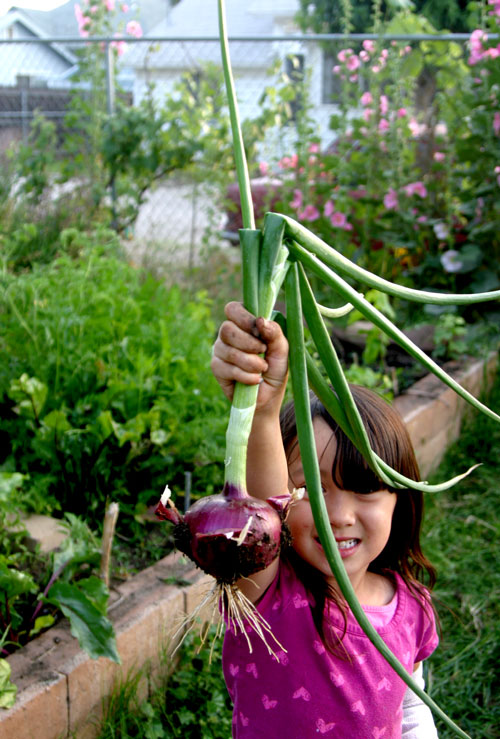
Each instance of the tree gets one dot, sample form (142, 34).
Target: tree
(331, 16)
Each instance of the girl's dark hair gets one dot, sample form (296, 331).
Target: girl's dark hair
(390, 440)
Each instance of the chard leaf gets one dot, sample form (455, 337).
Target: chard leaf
(94, 631)
(8, 690)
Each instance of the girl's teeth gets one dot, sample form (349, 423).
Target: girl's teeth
(347, 544)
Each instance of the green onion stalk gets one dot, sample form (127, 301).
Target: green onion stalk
(222, 529)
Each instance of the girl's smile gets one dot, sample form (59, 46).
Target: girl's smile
(361, 522)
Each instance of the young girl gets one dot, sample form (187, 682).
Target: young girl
(330, 680)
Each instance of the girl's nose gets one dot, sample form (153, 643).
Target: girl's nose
(340, 506)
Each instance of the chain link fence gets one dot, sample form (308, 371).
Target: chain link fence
(36, 76)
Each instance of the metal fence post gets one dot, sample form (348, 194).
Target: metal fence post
(110, 99)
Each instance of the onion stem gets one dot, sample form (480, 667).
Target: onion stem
(313, 482)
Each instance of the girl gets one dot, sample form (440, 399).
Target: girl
(330, 680)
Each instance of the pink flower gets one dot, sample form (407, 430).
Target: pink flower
(441, 129)
(366, 98)
(82, 21)
(375, 69)
(496, 123)
(133, 28)
(416, 128)
(367, 114)
(401, 113)
(339, 220)
(497, 172)
(336, 69)
(364, 55)
(313, 148)
(110, 5)
(310, 213)
(120, 47)
(263, 168)
(329, 208)
(391, 200)
(296, 203)
(384, 104)
(343, 55)
(369, 46)
(439, 156)
(383, 125)
(416, 188)
(125, 8)
(353, 63)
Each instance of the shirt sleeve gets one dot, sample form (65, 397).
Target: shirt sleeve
(426, 635)
(418, 722)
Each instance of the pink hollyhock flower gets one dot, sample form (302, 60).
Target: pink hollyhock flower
(339, 220)
(353, 77)
(366, 98)
(416, 188)
(401, 113)
(263, 168)
(375, 69)
(343, 55)
(133, 28)
(364, 55)
(496, 123)
(383, 125)
(310, 213)
(384, 105)
(110, 5)
(120, 46)
(384, 54)
(416, 128)
(369, 46)
(93, 9)
(313, 148)
(439, 156)
(336, 69)
(125, 8)
(296, 203)
(367, 114)
(497, 172)
(329, 208)
(391, 200)
(441, 129)
(353, 63)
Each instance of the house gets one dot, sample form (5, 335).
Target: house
(190, 24)
(43, 63)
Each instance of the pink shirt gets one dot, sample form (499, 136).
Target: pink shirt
(307, 691)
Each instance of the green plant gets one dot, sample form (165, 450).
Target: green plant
(449, 336)
(190, 702)
(35, 589)
(107, 391)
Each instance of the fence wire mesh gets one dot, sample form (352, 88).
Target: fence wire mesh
(38, 76)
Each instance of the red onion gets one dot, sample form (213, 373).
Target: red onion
(230, 535)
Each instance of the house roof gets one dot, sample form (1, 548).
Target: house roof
(23, 18)
(61, 22)
(199, 19)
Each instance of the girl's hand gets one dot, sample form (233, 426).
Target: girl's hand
(242, 338)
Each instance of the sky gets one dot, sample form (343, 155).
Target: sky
(33, 4)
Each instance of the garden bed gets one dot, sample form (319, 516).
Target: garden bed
(62, 690)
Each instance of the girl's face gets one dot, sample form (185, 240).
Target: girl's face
(361, 522)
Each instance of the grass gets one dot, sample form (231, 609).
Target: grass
(461, 536)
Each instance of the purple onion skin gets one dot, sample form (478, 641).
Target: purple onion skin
(209, 530)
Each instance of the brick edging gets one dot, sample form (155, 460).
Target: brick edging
(61, 690)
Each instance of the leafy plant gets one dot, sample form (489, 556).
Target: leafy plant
(107, 390)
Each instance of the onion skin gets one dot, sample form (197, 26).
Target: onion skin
(230, 535)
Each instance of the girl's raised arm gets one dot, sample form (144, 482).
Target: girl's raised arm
(237, 356)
